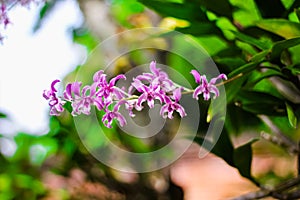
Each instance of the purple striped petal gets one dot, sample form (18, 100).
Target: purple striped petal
(113, 81)
(98, 76)
(181, 111)
(177, 94)
(141, 99)
(153, 68)
(221, 76)
(121, 119)
(214, 89)
(198, 90)
(68, 92)
(206, 95)
(196, 76)
(53, 85)
(150, 103)
(76, 88)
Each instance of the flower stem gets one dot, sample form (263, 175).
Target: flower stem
(122, 91)
(229, 80)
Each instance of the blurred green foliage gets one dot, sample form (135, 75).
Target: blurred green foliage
(255, 42)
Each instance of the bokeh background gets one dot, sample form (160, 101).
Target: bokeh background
(256, 43)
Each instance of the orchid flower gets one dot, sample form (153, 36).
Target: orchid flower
(114, 114)
(206, 87)
(55, 103)
(171, 106)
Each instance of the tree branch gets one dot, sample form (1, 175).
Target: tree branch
(277, 192)
(278, 138)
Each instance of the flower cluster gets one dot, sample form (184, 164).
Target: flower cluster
(106, 96)
(4, 8)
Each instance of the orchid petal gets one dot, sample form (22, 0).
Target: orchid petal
(167, 99)
(93, 89)
(198, 90)
(85, 89)
(141, 99)
(177, 94)
(163, 110)
(150, 103)
(98, 75)
(214, 90)
(181, 111)
(170, 114)
(106, 120)
(206, 95)
(117, 106)
(46, 94)
(153, 68)
(221, 76)
(53, 85)
(76, 88)
(204, 81)
(139, 86)
(145, 77)
(99, 103)
(68, 92)
(121, 119)
(196, 76)
(160, 97)
(115, 79)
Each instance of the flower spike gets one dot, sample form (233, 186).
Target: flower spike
(106, 96)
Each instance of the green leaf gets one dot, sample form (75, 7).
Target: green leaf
(233, 87)
(47, 8)
(199, 29)
(242, 158)
(247, 12)
(297, 11)
(54, 126)
(84, 37)
(230, 63)
(259, 57)
(3, 115)
(251, 40)
(244, 69)
(281, 27)
(291, 116)
(187, 10)
(122, 10)
(295, 70)
(286, 89)
(239, 121)
(270, 8)
(259, 103)
(213, 44)
(295, 4)
(223, 147)
(219, 7)
(265, 86)
(23, 142)
(42, 148)
(280, 46)
(282, 123)
(258, 76)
